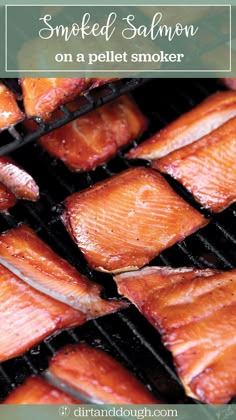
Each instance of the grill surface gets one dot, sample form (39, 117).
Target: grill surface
(125, 335)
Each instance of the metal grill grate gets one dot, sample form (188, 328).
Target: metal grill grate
(16, 138)
(126, 335)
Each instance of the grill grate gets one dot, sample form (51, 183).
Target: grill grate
(89, 101)
(126, 335)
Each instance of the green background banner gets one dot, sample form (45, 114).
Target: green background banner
(118, 41)
(127, 412)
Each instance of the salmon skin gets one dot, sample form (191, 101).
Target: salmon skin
(21, 184)
(7, 199)
(201, 120)
(28, 316)
(195, 313)
(94, 138)
(24, 253)
(97, 376)
(229, 82)
(10, 113)
(207, 168)
(123, 222)
(43, 96)
(36, 390)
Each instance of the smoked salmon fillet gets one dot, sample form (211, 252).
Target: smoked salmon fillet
(36, 390)
(21, 184)
(199, 121)
(123, 222)
(98, 376)
(7, 199)
(207, 167)
(24, 253)
(10, 113)
(43, 96)
(229, 82)
(27, 316)
(195, 313)
(92, 139)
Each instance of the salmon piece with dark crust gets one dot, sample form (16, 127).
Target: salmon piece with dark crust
(207, 167)
(123, 222)
(36, 390)
(7, 199)
(98, 376)
(195, 313)
(94, 138)
(18, 180)
(31, 259)
(191, 126)
(28, 316)
(43, 96)
(10, 112)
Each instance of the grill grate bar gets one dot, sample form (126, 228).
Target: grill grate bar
(208, 245)
(44, 128)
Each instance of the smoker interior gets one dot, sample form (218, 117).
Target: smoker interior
(126, 335)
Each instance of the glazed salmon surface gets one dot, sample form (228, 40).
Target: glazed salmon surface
(18, 180)
(27, 316)
(7, 199)
(23, 252)
(99, 377)
(92, 139)
(36, 390)
(43, 96)
(201, 120)
(207, 168)
(122, 223)
(10, 113)
(195, 313)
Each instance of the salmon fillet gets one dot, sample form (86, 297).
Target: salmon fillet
(18, 180)
(229, 82)
(92, 139)
(123, 222)
(10, 113)
(24, 253)
(7, 199)
(27, 316)
(36, 390)
(191, 126)
(99, 377)
(43, 96)
(195, 313)
(207, 168)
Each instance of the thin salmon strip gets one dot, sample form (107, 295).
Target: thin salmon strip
(36, 390)
(28, 316)
(229, 82)
(195, 313)
(10, 113)
(123, 222)
(43, 96)
(191, 126)
(94, 138)
(18, 180)
(24, 253)
(7, 199)
(99, 377)
(207, 168)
